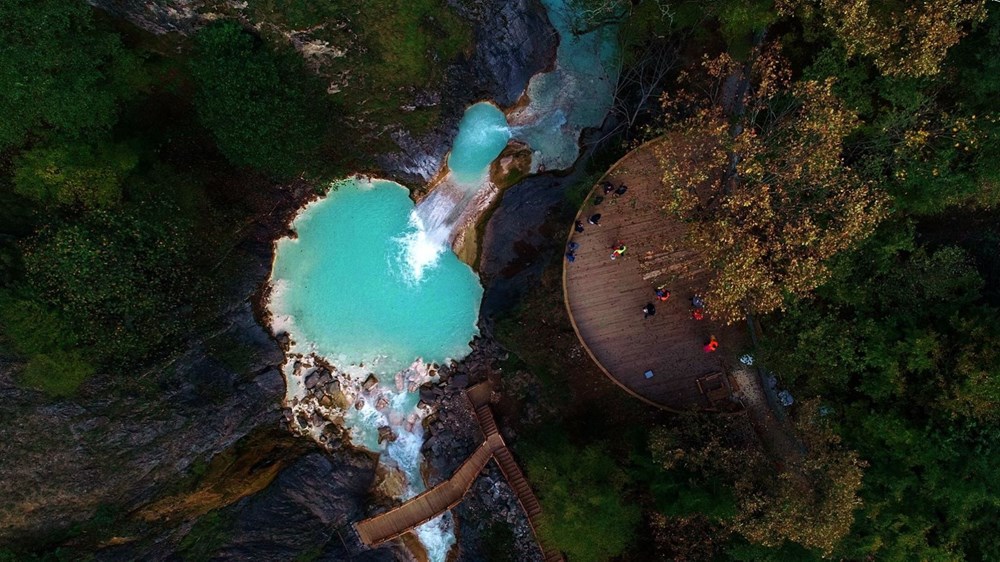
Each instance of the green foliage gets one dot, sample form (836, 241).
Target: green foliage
(262, 107)
(58, 373)
(33, 327)
(787, 552)
(717, 469)
(498, 543)
(740, 19)
(407, 35)
(682, 493)
(56, 366)
(297, 14)
(57, 72)
(901, 341)
(931, 144)
(581, 491)
(118, 278)
(74, 174)
(389, 51)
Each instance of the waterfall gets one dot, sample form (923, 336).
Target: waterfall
(369, 284)
(482, 135)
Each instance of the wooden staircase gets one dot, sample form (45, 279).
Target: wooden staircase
(486, 421)
(385, 526)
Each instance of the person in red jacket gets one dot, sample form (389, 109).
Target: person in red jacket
(712, 344)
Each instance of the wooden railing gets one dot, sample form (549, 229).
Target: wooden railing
(446, 495)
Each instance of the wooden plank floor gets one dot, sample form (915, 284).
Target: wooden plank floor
(428, 505)
(446, 495)
(605, 297)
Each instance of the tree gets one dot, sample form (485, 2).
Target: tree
(810, 502)
(59, 74)
(915, 394)
(263, 108)
(813, 501)
(74, 174)
(901, 38)
(581, 490)
(769, 197)
(118, 279)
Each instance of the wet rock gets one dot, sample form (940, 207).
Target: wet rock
(370, 383)
(312, 380)
(385, 433)
(427, 393)
(359, 404)
(381, 403)
(460, 380)
(332, 387)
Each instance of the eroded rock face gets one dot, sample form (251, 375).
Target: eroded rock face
(514, 41)
(61, 460)
(160, 16)
(303, 509)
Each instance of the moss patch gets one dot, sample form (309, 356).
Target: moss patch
(387, 52)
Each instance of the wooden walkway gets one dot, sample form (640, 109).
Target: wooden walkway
(428, 505)
(605, 297)
(446, 495)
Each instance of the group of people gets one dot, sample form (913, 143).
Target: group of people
(697, 312)
(608, 189)
(618, 249)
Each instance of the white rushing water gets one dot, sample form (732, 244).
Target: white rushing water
(370, 284)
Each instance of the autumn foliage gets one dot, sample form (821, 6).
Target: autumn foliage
(757, 170)
(811, 500)
(902, 38)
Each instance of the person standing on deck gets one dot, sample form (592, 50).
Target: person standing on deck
(712, 345)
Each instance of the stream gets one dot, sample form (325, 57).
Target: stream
(370, 294)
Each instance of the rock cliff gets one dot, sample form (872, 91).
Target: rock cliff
(66, 465)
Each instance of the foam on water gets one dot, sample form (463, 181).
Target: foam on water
(364, 284)
(420, 249)
(367, 286)
(576, 94)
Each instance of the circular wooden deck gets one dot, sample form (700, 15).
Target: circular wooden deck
(605, 297)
